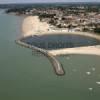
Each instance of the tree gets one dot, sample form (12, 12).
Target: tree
(97, 30)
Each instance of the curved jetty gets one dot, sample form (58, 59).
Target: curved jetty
(91, 49)
(56, 64)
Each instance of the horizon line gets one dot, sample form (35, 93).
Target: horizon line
(50, 2)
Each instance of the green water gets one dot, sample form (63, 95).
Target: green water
(27, 77)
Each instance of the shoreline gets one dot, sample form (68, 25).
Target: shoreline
(86, 50)
(92, 35)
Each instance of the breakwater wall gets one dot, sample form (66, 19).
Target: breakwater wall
(57, 66)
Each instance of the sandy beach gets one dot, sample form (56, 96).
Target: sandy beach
(89, 50)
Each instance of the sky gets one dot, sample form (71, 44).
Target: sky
(38, 1)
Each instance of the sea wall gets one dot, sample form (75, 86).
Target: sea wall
(58, 68)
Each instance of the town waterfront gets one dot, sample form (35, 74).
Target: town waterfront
(24, 76)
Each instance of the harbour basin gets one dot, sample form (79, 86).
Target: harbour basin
(59, 41)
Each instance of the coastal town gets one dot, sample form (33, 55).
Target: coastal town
(82, 18)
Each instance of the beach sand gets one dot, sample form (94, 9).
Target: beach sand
(32, 25)
(89, 50)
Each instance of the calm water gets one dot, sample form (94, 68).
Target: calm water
(60, 41)
(27, 77)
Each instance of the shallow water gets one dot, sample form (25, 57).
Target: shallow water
(27, 77)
